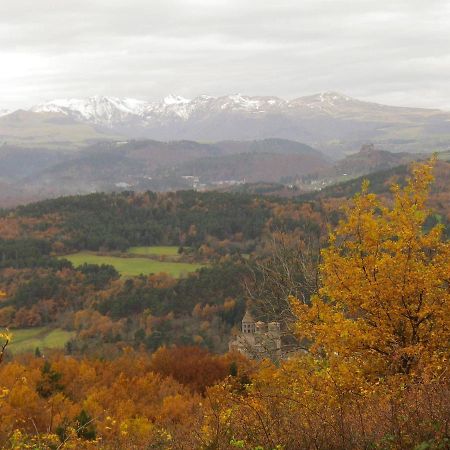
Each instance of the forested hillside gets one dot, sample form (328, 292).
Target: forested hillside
(152, 318)
(37, 173)
(223, 233)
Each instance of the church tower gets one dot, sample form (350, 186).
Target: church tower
(248, 323)
(258, 340)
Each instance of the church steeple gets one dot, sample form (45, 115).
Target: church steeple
(248, 323)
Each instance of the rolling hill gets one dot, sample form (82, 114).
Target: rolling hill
(153, 165)
(370, 159)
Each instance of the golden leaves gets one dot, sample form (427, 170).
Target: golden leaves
(384, 284)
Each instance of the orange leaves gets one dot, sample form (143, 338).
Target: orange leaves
(9, 227)
(12, 227)
(177, 408)
(383, 295)
(191, 366)
(92, 323)
(130, 405)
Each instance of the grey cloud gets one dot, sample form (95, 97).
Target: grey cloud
(393, 51)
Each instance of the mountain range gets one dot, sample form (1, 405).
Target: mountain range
(331, 122)
(77, 146)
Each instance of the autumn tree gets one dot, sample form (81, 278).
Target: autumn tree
(5, 337)
(376, 373)
(191, 366)
(384, 304)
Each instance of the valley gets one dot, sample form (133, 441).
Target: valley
(168, 263)
(259, 260)
(142, 292)
(31, 174)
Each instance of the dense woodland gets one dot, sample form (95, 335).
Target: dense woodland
(362, 293)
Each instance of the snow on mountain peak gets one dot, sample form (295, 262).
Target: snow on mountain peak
(205, 97)
(242, 102)
(99, 109)
(109, 111)
(238, 98)
(324, 102)
(4, 112)
(331, 97)
(175, 100)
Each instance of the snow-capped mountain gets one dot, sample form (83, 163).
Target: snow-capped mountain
(110, 111)
(113, 111)
(97, 109)
(4, 112)
(332, 122)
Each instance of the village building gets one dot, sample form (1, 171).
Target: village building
(258, 340)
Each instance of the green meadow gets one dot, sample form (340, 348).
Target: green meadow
(28, 339)
(133, 266)
(154, 251)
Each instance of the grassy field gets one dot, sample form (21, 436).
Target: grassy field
(154, 251)
(133, 266)
(27, 339)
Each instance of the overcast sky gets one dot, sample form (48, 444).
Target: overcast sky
(391, 51)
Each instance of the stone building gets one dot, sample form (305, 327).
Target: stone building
(257, 340)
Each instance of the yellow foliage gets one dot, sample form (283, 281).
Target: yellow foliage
(5, 335)
(384, 305)
(376, 375)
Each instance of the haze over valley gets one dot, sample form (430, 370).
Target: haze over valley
(73, 146)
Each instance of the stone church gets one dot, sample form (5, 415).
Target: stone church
(257, 340)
